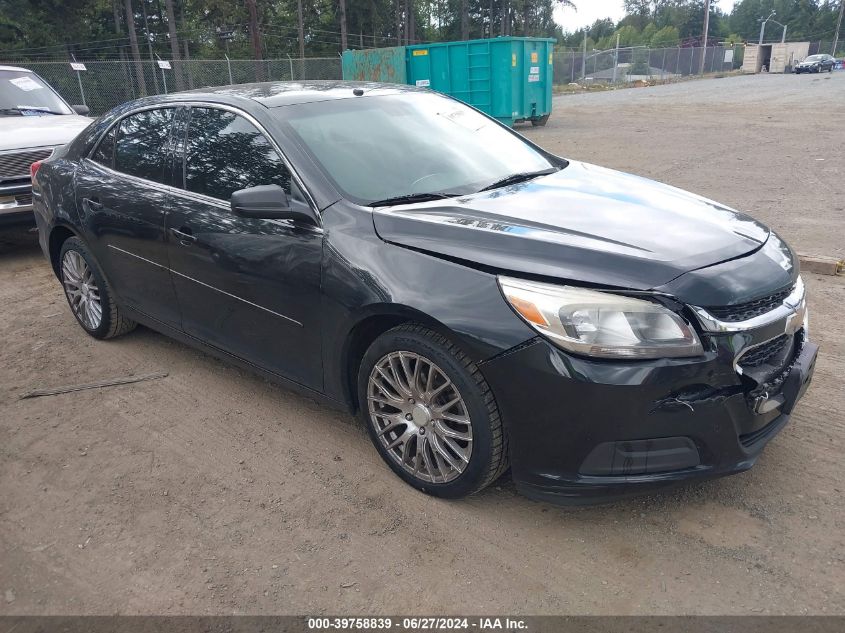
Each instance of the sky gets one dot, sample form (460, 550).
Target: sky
(591, 10)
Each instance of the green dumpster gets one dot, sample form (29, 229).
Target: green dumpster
(509, 78)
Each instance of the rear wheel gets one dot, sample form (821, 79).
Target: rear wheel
(88, 294)
(430, 413)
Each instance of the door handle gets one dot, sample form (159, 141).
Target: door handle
(92, 204)
(184, 235)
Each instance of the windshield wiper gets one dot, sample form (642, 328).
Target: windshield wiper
(411, 198)
(516, 178)
(20, 111)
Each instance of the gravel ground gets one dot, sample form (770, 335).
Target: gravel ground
(212, 491)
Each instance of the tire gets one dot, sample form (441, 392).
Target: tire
(86, 286)
(425, 354)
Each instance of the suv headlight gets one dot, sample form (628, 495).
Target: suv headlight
(599, 323)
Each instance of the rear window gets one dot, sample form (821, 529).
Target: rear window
(141, 145)
(104, 154)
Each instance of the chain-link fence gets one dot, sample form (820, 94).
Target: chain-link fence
(642, 63)
(105, 84)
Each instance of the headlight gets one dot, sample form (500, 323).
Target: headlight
(601, 324)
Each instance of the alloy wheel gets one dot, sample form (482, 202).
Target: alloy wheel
(419, 417)
(81, 289)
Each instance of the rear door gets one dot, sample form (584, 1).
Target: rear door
(248, 286)
(122, 198)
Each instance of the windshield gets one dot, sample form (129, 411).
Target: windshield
(25, 94)
(383, 147)
(814, 58)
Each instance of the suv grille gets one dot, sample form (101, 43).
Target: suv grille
(759, 355)
(750, 309)
(15, 165)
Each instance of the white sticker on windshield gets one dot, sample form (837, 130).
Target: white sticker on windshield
(26, 84)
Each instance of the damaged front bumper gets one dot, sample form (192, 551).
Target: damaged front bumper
(588, 430)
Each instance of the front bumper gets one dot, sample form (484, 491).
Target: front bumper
(16, 204)
(585, 430)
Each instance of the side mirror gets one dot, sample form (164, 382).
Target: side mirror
(270, 202)
(81, 109)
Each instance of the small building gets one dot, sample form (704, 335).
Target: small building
(774, 58)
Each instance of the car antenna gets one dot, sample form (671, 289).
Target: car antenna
(358, 92)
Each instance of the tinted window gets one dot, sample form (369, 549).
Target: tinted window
(226, 153)
(141, 144)
(104, 154)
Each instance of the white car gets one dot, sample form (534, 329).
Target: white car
(34, 120)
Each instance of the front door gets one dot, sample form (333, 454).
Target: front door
(250, 287)
(122, 199)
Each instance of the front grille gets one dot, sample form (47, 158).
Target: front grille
(23, 199)
(750, 309)
(15, 165)
(763, 353)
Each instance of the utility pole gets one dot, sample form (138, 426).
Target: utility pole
(616, 58)
(838, 25)
(584, 58)
(706, 30)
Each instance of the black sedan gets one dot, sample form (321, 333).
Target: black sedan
(816, 64)
(478, 301)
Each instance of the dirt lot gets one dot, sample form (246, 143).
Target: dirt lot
(212, 491)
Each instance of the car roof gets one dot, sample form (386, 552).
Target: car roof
(23, 70)
(281, 93)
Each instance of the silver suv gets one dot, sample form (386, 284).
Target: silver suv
(34, 120)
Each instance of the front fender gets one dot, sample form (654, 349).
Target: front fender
(364, 277)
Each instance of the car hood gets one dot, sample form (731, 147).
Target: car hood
(24, 132)
(583, 223)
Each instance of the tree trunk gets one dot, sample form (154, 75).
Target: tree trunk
(526, 17)
(464, 20)
(502, 24)
(188, 75)
(174, 44)
(255, 39)
(342, 7)
(398, 22)
(150, 46)
(133, 43)
(127, 84)
(301, 30)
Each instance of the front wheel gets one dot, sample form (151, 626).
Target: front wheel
(430, 413)
(88, 294)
